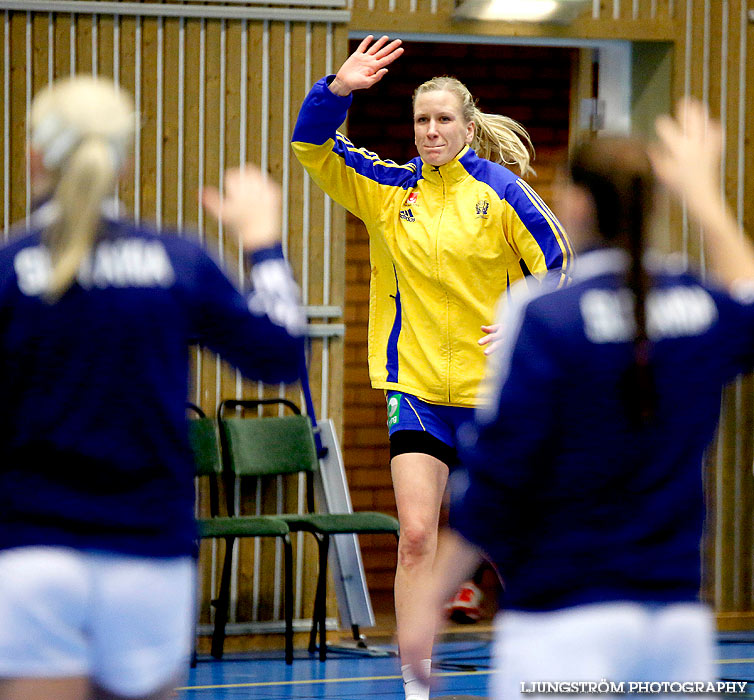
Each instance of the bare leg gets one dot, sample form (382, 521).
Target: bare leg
(166, 693)
(419, 482)
(78, 688)
(44, 688)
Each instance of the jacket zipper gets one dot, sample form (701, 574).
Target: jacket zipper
(439, 280)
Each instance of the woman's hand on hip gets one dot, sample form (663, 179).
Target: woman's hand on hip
(365, 66)
(493, 338)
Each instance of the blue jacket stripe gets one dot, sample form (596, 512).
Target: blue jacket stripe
(392, 341)
(368, 164)
(560, 232)
(535, 218)
(551, 218)
(555, 221)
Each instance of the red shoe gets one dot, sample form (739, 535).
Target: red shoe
(465, 606)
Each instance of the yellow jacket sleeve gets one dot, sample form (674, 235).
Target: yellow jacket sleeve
(356, 178)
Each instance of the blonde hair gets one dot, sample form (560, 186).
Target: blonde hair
(82, 127)
(497, 138)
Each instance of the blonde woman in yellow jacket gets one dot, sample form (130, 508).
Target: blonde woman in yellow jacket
(449, 232)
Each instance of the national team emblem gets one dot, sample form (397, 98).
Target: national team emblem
(411, 199)
(482, 208)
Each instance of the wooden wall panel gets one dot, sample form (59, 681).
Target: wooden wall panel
(16, 125)
(152, 103)
(40, 51)
(171, 133)
(127, 29)
(105, 46)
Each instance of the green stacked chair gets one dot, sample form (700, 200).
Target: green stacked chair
(203, 440)
(272, 446)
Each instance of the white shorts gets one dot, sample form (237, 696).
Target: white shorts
(125, 622)
(611, 641)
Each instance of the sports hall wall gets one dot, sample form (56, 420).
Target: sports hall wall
(221, 82)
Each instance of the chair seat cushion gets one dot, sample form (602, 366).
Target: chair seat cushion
(340, 523)
(244, 526)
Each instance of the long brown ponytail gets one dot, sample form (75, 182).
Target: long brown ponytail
(618, 174)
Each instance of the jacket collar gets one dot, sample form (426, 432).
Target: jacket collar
(610, 260)
(46, 212)
(451, 172)
(599, 261)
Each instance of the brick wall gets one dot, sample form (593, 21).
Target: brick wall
(530, 84)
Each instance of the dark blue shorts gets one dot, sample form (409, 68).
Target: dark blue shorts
(417, 426)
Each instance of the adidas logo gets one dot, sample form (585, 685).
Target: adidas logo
(407, 215)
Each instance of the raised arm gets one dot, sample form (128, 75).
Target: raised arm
(353, 177)
(261, 334)
(687, 162)
(250, 207)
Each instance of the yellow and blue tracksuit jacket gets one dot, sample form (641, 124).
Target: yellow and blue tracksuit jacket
(445, 243)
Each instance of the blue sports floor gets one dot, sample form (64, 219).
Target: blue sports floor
(461, 670)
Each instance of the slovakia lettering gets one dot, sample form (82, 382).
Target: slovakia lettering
(671, 313)
(124, 263)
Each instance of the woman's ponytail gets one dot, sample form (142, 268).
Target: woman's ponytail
(82, 128)
(639, 383)
(502, 140)
(86, 179)
(617, 173)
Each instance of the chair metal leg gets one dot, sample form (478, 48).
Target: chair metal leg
(197, 599)
(222, 603)
(288, 553)
(315, 612)
(194, 657)
(320, 600)
(322, 612)
(359, 646)
(315, 620)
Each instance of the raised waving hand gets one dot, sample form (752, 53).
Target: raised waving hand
(250, 206)
(687, 161)
(366, 66)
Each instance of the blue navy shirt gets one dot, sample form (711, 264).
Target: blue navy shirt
(94, 449)
(573, 503)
